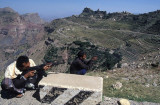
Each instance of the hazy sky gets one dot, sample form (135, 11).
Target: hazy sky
(64, 8)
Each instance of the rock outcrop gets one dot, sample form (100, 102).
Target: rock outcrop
(18, 33)
(18, 29)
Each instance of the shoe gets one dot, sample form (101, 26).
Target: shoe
(19, 96)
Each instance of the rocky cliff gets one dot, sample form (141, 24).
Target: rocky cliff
(18, 32)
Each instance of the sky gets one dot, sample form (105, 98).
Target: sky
(64, 8)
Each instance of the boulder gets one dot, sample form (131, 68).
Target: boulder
(124, 65)
(117, 85)
(124, 102)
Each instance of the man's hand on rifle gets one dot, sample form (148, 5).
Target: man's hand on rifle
(29, 74)
(94, 58)
(46, 67)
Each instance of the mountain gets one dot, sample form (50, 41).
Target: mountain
(18, 33)
(7, 9)
(32, 18)
(17, 29)
(139, 23)
(119, 40)
(123, 32)
(132, 36)
(135, 38)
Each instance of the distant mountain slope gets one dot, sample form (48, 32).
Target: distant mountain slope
(32, 18)
(128, 32)
(16, 29)
(18, 33)
(118, 20)
(155, 28)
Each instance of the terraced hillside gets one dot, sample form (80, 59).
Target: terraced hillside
(113, 31)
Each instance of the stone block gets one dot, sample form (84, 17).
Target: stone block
(70, 89)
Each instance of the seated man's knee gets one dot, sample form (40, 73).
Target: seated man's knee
(84, 71)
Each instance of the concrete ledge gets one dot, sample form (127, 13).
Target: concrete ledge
(69, 89)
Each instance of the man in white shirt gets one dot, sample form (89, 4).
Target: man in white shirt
(17, 76)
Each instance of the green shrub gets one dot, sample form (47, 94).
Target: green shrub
(105, 60)
(51, 54)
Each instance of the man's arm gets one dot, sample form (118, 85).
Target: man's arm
(87, 64)
(90, 61)
(83, 65)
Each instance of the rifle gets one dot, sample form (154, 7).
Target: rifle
(54, 63)
(39, 68)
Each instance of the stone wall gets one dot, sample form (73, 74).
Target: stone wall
(69, 89)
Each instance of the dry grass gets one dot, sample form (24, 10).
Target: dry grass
(134, 84)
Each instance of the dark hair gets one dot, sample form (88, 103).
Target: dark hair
(119, 103)
(21, 60)
(81, 53)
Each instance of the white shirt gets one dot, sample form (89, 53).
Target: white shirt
(12, 71)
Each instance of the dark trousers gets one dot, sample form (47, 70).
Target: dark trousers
(82, 72)
(20, 82)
